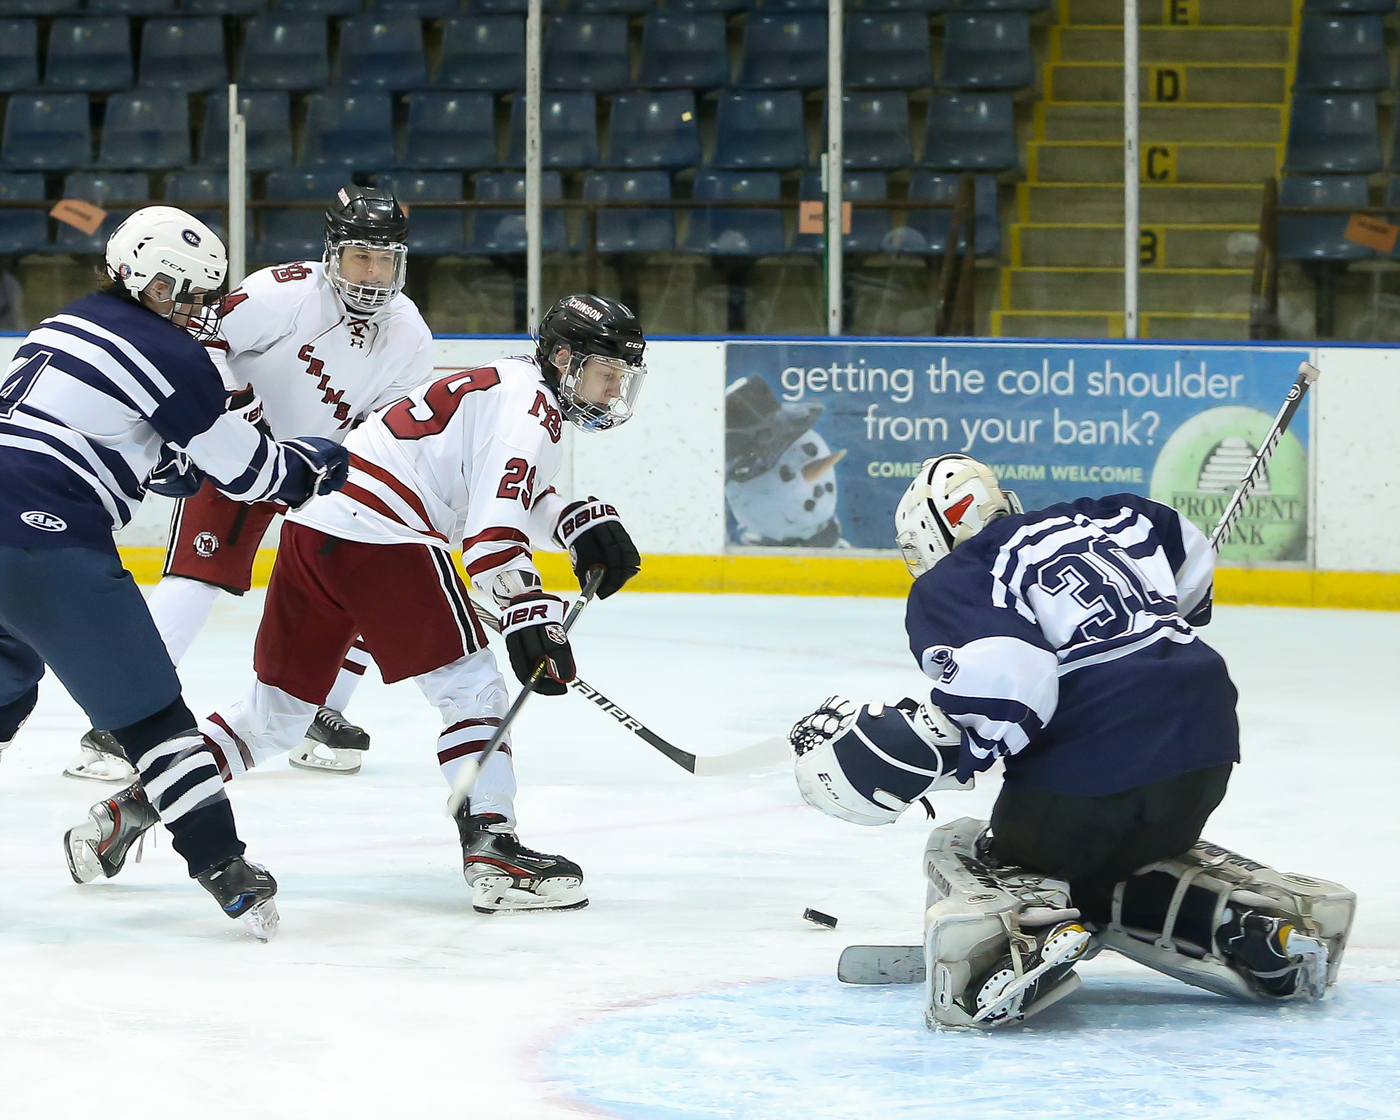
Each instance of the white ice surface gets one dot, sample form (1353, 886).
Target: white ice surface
(386, 997)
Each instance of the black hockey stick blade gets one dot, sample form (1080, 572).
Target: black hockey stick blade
(881, 964)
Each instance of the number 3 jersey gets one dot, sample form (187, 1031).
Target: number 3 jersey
(1062, 641)
(468, 457)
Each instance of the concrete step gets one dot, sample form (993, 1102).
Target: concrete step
(1094, 324)
(1162, 204)
(1229, 13)
(1172, 44)
(1183, 291)
(1102, 162)
(1162, 246)
(1199, 83)
(1162, 124)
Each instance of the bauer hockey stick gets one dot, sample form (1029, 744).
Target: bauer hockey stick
(1307, 374)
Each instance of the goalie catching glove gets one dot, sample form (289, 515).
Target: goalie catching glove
(595, 538)
(533, 627)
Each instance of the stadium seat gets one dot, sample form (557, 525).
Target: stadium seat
(482, 52)
(131, 7)
(783, 51)
(23, 231)
(790, 5)
(451, 130)
(284, 52)
(502, 232)
(678, 7)
(147, 129)
(103, 188)
(89, 54)
(875, 130)
(348, 130)
(191, 190)
(1379, 7)
(423, 9)
(870, 229)
(297, 235)
(317, 7)
(970, 132)
(683, 50)
(39, 7)
(998, 5)
(183, 54)
(586, 52)
(381, 52)
(760, 130)
(267, 117)
(933, 225)
(988, 52)
(19, 54)
(430, 231)
(653, 130)
(615, 7)
(888, 52)
(568, 127)
(1302, 237)
(902, 6)
(498, 7)
(736, 233)
(1342, 53)
(46, 132)
(223, 7)
(632, 231)
(1333, 134)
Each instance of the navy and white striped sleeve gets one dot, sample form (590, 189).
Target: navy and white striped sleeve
(1188, 551)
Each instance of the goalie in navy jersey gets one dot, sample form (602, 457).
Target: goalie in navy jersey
(1063, 643)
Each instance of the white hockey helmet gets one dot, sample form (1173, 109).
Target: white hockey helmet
(163, 243)
(952, 499)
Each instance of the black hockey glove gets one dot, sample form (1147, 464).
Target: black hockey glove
(595, 537)
(174, 475)
(314, 466)
(533, 627)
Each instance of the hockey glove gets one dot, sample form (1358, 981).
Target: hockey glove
(314, 466)
(594, 536)
(533, 627)
(174, 475)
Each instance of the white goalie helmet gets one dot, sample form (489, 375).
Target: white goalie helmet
(164, 243)
(951, 500)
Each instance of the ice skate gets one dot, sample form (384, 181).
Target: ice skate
(507, 876)
(1044, 977)
(1282, 960)
(245, 890)
(100, 759)
(333, 745)
(99, 846)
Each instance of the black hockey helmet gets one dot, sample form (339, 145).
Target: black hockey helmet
(593, 327)
(366, 214)
(371, 221)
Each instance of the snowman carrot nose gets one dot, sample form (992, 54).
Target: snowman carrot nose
(818, 467)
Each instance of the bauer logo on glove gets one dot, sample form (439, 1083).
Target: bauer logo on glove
(595, 538)
(533, 629)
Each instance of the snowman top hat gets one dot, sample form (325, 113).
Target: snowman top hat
(758, 429)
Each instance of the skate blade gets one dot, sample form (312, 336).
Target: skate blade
(1312, 955)
(306, 758)
(100, 770)
(80, 845)
(496, 894)
(1068, 949)
(263, 920)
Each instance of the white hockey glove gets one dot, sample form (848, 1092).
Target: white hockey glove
(247, 405)
(594, 537)
(314, 466)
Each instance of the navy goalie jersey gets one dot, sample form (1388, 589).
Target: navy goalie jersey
(1063, 642)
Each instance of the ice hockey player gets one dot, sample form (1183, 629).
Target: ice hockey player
(108, 399)
(310, 348)
(1063, 643)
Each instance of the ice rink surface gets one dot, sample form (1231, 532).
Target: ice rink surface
(691, 987)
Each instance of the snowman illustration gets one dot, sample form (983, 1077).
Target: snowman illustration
(779, 481)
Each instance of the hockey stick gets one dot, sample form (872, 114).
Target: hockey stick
(471, 768)
(1307, 374)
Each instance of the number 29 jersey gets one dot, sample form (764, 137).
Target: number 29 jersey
(468, 457)
(1063, 642)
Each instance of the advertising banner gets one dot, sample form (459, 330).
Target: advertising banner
(822, 438)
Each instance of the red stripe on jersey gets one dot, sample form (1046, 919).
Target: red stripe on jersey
(365, 498)
(451, 754)
(495, 560)
(374, 470)
(496, 535)
(237, 742)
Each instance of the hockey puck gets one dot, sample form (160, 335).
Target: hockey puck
(816, 917)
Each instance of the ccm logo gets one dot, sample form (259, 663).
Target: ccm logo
(522, 615)
(577, 520)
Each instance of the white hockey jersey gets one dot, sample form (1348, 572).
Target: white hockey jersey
(317, 365)
(468, 458)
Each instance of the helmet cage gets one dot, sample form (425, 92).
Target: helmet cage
(591, 416)
(359, 296)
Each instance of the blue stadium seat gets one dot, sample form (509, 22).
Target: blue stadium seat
(988, 52)
(382, 52)
(223, 7)
(888, 52)
(502, 232)
(653, 130)
(348, 130)
(146, 129)
(677, 7)
(875, 130)
(760, 130)
(423, 9)
(870, 229)
(497, 7)
(932, 226)
(89, 54)
(586, 52)
(267, 117)
(783, 51)
(430, 231)
(184, 54)
(297, 235)
(683, 50)
(23, 231)
(451, 130)
(103, 188)
(615, 7)
(568, 131)
(19, 54)
(1379, 7)
(902, 6)
(1333, 134)
(970, 132)
(790, 5)
(284, 52)
(39, 7)
(632, 231)
(1302, 237)
(201, 192)
(46, 132)
(999, 5)
(131, 7)
(1342, 54)
(317, 7)
(737, 233)
(482, 52)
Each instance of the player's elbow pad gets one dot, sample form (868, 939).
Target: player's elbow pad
(314, 466)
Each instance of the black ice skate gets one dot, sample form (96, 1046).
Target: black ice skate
(1047, 961)
(100, 759)
(333, 745)
(1281, 960)
(99, 845)
(245, 890)
(507, 876)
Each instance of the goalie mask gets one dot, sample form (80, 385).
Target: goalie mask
(366, 247)
(172, 257)
(951, 500)
(590, 348)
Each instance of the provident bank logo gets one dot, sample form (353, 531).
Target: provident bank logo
(48, 522)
